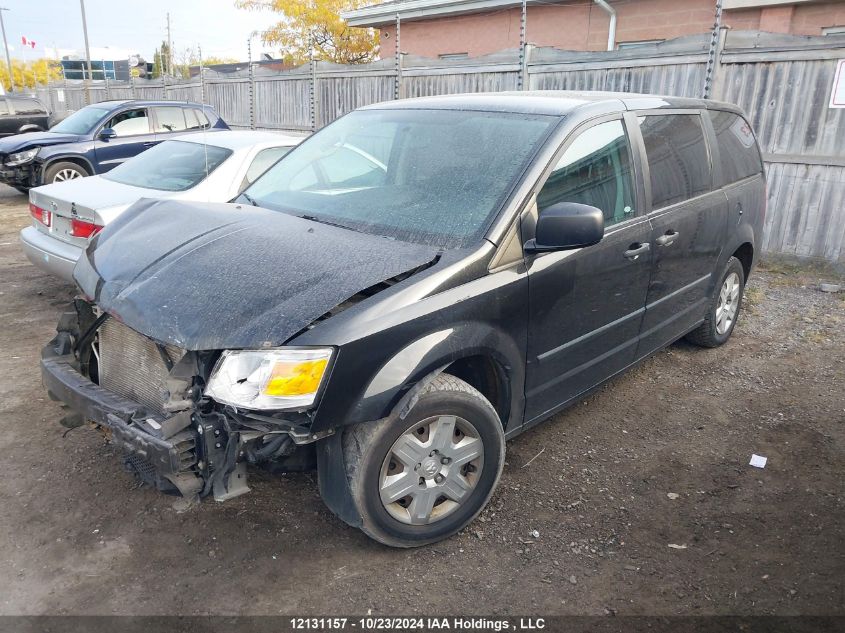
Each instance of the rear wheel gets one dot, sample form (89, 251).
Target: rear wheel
(62, 171)
(420, 479)
(724, 308)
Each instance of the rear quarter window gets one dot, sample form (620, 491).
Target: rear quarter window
(738, 152)
(678, 162)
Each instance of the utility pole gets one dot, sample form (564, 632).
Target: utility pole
(169, 47)
(6, 46)
(87, 54)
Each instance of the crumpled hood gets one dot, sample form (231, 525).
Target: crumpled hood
(28, 140)
(221, 276)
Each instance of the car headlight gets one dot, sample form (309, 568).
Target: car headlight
(269, 379)
(21, 157)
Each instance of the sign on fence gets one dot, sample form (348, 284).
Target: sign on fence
(837, 94)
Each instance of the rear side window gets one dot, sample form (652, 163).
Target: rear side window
(596, 170)
(170, 120)
(196, 119)
(677, 157)
(738, 153)
(265, 159)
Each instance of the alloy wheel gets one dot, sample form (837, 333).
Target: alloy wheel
(728, 303)
(66, 174)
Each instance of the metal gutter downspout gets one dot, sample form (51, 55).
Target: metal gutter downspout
(611, 31)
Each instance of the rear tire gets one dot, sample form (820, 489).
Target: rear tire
(724, 308)
(63, 171)
(422, 478)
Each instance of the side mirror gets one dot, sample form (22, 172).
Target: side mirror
(566, 225)
(106, 133)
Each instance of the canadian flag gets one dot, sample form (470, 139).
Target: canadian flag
(27, 42)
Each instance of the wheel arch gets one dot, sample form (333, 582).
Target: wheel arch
(67, 158)
(475, 352)
(745, 254)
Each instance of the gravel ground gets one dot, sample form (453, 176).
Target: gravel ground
(642, 495)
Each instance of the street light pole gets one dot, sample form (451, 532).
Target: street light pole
(87, 54)
(6, 46)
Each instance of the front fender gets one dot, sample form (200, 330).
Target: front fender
(430, 354)
(75, 151)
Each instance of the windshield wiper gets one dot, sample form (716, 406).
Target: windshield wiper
(249, 199)
(329, 222)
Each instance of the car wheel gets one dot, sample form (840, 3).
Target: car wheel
(724, 308)
(420, 478)
(62, 171)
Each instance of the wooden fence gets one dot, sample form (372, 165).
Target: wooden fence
(783, 82)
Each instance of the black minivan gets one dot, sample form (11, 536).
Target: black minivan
(411, 286)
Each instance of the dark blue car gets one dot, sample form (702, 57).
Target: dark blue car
(96, 138)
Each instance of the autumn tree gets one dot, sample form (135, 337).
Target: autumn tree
(28, 74)
(316, 25)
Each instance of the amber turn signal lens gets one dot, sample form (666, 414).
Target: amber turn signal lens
(295, 378)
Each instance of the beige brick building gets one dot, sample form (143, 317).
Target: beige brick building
(469, 28)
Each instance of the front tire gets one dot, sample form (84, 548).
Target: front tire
(63, 171)
(724, 308)
(422, 478)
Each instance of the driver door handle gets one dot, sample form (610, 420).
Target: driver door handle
(636, 249)
(667, 238)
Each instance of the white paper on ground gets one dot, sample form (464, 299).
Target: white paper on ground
(758, 461)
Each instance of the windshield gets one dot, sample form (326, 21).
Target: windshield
(433, 177)
(80, 122)
(170, 166)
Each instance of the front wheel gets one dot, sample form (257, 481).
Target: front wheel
(724, 308)
(422, 478)
(63, 171)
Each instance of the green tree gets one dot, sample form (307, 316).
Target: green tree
(317, 24)
(161, 61)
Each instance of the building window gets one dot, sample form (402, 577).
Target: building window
(454, 56)
(833, 30)
(637, 44)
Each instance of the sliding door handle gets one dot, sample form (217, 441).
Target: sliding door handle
(637, 249)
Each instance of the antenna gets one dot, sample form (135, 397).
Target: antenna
(169, 48)
(204, 127)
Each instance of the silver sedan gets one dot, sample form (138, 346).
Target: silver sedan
(199, 167)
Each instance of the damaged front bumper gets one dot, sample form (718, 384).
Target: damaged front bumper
(190, 444)
(22, 177)
(167, 462)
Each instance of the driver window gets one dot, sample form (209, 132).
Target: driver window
(595, 170)
(130, 122)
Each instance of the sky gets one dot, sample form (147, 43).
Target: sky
(135, 25)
